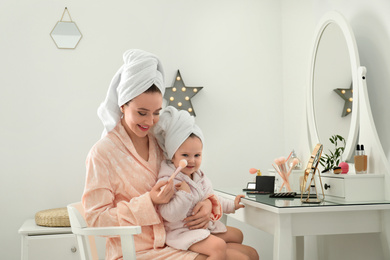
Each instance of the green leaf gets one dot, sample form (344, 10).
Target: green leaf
(333, 157)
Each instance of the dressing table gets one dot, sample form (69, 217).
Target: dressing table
(354, 203)
(289, 220)
(335, 65)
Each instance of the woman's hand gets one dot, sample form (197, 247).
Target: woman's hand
(237, 201)
(183, 186)
(165, 195)
(201, 215)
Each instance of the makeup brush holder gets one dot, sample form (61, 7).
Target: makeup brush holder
(286, 184)
(295, 180)
(265, 184)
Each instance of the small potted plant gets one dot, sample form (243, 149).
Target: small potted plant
(331, 160)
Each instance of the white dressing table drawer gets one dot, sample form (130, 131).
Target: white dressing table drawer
(353, 187)
(333, 187)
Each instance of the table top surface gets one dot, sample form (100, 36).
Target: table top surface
(288, 204)
(29, 227)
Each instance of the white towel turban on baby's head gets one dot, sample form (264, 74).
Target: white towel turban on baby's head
(173, 128)
(138, 73)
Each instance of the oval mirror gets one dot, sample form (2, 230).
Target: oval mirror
(333, 73)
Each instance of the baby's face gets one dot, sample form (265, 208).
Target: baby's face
(191, 151)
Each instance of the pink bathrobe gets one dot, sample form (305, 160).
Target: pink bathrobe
(117, 194)
(182, 204)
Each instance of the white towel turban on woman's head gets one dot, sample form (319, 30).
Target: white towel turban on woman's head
(173, 128)
(139, 72)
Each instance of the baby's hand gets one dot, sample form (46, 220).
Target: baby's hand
(237, 200)
(183, 186)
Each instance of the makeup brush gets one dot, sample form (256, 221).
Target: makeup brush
(282, 170)
(282, 164)
(279, 169)
(288, 157)
(182, 164)
(293, 163)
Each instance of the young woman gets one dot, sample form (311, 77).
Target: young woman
(122, 167)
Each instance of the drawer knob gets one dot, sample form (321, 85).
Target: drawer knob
(326, 186)
(73, 249)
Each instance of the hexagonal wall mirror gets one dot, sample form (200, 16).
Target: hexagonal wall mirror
(66, 34)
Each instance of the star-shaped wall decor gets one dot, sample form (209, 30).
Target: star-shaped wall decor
(179, 95)
(347, 95)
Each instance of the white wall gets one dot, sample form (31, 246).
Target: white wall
(49, 97)
(371, 25)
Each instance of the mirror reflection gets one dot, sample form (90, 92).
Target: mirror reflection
(332, 70)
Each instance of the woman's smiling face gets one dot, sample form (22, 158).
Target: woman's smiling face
(141, 113)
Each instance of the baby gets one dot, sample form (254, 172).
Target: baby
(180, 138)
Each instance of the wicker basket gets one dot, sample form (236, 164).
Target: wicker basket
(53, 218)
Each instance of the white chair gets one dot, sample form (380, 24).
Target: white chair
(85, 235)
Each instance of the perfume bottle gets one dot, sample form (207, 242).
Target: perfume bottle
(360, 159)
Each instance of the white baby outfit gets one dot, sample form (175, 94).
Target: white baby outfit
(182, 204)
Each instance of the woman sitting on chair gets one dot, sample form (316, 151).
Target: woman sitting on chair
(122, 167)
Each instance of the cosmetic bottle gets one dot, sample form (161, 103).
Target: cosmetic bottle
(360, 160)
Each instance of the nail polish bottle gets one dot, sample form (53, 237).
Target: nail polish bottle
(360, 160)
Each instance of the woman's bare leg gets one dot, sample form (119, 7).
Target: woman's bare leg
(233, 254)
(213, 247)
(234, 237)
(248, 251)
(201, 257)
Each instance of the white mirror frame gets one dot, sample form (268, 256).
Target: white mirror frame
(377, 161)
(338, 19)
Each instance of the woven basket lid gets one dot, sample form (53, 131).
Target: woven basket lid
(53, 218)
